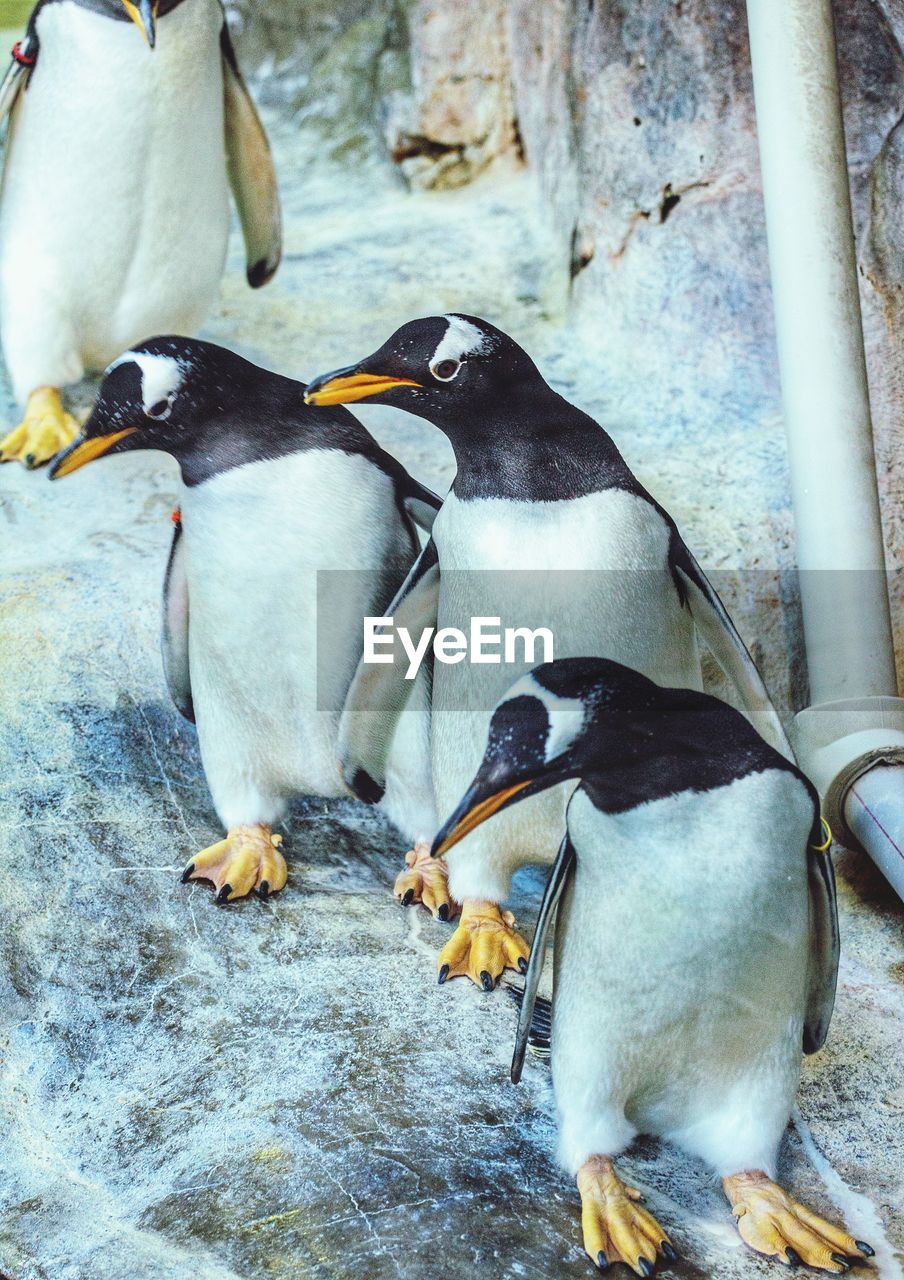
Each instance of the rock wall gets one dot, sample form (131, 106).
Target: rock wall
(639, 118)
(429, 81)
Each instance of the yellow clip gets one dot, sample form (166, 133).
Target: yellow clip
(821, 848)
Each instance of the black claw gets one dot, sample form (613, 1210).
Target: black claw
(408, 898)
(263, 890)
(188, 873)
(669, 1252)
(223, 895)
(602, 1261)
(792, 1256)
(443, 974)
(443, 911)
(522, 965)
(646, 1266)
(865, 1248)
(841, 1260)
(486, 981)
(29, 460)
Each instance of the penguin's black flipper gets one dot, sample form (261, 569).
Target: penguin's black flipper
(415, 500)
(174, 633)
(560, 873)
(421, 503)
(724, 641)
(251, 173)
(825, 947)
(540, 1024)
(379, 691)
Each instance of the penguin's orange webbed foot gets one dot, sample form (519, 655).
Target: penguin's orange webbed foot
(426, 880)
(483, 946)
(247, 859)
(43, 432)
(777, 1226)
(617, 1228)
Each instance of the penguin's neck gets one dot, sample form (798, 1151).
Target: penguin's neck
(116, 10)
(535, 448)
(265, 419)
(701, 750)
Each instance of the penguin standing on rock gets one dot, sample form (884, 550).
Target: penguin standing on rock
(696, 948)
(114, 208)
(294, 525)
(543, 499)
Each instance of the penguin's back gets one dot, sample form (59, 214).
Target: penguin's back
(115, 166)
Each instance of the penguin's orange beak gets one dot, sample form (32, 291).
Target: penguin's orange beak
(347, 385)
(470, 815)
(144, 15)
(85, 449)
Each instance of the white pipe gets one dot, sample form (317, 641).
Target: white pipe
(874, 811)
(856, 719)
(820, 348)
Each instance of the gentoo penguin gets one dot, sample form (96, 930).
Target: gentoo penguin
(696, 949)
(294, 525)
(114, 207)
(543, 499)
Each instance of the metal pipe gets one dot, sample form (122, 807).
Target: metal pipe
(855, 719)
(874, 810)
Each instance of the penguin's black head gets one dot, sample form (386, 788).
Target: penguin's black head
(156, 396)
(439, 368)
(565, 720)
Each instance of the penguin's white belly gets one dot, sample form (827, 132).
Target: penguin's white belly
(680, 974)
(114, 213)
(272, 645)
(594, 571)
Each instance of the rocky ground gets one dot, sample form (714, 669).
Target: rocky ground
(281, 1089)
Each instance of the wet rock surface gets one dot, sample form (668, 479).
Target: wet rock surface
(281, 1089)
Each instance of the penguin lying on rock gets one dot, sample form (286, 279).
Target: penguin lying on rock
(696, 949)
(114, 213)
(258, 649)
(540, 487)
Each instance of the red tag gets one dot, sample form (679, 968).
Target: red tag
(23, 59)
(176, 517)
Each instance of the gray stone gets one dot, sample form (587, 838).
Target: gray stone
(457, 117)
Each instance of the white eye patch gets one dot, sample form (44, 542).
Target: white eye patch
(566, 715)
(461, 339)
(161, 376)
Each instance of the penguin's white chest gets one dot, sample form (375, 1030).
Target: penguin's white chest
(681, 966)
(593, 571)
(114, 213)
(283, 560)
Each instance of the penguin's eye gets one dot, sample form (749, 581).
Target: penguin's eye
(446, 370)
(160, 409)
